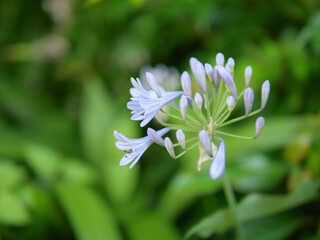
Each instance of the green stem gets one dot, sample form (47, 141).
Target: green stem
(232, 205)
(182, 127)
(232, 135)
(190, 124)
(239, 118)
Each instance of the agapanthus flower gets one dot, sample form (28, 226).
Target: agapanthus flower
(197, 117)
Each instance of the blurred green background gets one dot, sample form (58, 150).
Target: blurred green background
(64, 84)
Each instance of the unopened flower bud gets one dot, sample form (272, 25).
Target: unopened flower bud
(220, 59)
(186, 84)
(259, 125)
(181, 138)
(265, 90)
(153, 83)
(228, 79)
(209, 70)
(247, 75)
(199, 73)
(230, 103)
(218, 163)
(205, 141)
(155, 136)
(216, 78)
(169, 146)
(248, 100)
(198, 100)
(183, 106)
(230, 65)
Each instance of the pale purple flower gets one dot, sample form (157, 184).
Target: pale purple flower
(183, 107)
(169, 146)
(186, 84)
(265, 90)
(181, 138)
(247, 75)
(259, 125)
(228, 79)
(147, 104)
(209, 71)
(153, 83)
(218, 163)
(134, 148)
(230, 65)
(220, 59)
(230, 103)
(198, 100)
(155, 136)
(205, 141)
(248, 97)
(199, 73)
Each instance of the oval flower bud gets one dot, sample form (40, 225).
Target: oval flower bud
(218, 163)
(265, 90)
(169, 146)
(220, 59)
(209, 70)
(199, 73)
(186, 84)
(205, 141)
(216, 78)
(259, 125)
(230, 65)
(248, 100)
(198, 100)
(230, 103)
(183, 107)
(247, 75)
(228, 79)
(181, 138)
(155, 136)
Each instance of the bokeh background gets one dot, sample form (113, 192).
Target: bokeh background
(65, 67)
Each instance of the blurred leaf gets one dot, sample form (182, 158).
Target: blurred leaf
(90, 216)
(11, 174)
(270, 138)
(43, 160)
(95, 116)
(75, 171)
(249, 172)
(12, 211)
(255, 206)
(126, 179)
(256, 172)
(273, 228)
(99, 120)
(152, 226)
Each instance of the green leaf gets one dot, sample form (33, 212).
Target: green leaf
(11, 174)
(152, 226)
(12, 211)
(273, 228)
(255, 206)
(89, 216)
(251, 172)
(248, 172)
(75, 171)
(288, 127)
(43, 160)
(98, 121)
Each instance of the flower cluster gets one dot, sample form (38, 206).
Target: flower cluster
(197, 118)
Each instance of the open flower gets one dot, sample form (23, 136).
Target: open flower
(134, 148)
(202, 115)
